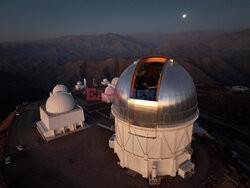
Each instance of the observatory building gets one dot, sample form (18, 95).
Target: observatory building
(154, 111)
(105, 82)
(79, 86)
(108, 94)
(60, 114)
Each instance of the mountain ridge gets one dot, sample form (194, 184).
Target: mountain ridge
(37, 66)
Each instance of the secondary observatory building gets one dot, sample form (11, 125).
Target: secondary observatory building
(60, 114)
(155, 107)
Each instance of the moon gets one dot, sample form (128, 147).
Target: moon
(184, 16)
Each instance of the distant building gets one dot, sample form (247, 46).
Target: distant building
(60, 88)
(85, 83)
(94, 84)
(60, 114)
(114, 81)
(240, 88)
(105, 82)
(79, 86)
(108, 94)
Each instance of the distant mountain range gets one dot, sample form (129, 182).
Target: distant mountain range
(29, 70)
(70, 48)
(99, 47)
(236, 40)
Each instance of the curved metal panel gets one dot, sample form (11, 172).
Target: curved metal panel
(177, 100)
(122, 92)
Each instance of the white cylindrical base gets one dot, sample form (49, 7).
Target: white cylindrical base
(165, 148)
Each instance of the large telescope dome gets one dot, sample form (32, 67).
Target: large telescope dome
(155, 91)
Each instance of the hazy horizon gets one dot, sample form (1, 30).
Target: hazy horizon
(124, 34)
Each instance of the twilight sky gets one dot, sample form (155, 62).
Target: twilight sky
(38, 19)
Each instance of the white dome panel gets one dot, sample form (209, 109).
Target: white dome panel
(60, 88)
(60, 102)
(109, 90)
(114, 81)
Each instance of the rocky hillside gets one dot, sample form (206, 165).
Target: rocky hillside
(29, 70)
(239, 40)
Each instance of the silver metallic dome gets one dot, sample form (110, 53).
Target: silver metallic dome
(175, 99)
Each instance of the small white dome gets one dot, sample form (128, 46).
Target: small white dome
(109, 90)
(114, 81)
(105, 82)
(60, 102)
(60, 88)
(79, 83)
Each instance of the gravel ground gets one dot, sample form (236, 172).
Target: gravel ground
(81, 159)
